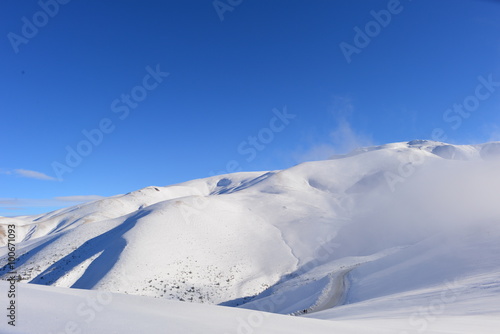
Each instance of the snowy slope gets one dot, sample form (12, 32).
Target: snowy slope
(81, 311)
(391, 225)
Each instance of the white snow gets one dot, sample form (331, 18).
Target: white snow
(60, 310)
(396, 238)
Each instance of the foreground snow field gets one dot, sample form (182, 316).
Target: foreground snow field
(398, 238)
(61, 310)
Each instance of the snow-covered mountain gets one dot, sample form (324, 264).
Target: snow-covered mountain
(384, 231)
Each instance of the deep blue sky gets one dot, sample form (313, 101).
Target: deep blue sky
(225, 78)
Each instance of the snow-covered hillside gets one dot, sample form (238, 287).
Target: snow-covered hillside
(381, 232)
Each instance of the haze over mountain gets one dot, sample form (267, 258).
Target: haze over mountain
(408, 231)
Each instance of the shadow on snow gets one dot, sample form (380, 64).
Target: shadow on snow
(109, 244)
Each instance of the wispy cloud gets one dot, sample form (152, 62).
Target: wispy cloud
(495, 133)
(12, 203)
(488, 132)
(31, 174)
(316, 152)
(5, 171)
(343, 138)
(85, 198)
(8, 202)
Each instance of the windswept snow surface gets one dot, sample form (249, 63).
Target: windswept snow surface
(383, 232)
(45, 310)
